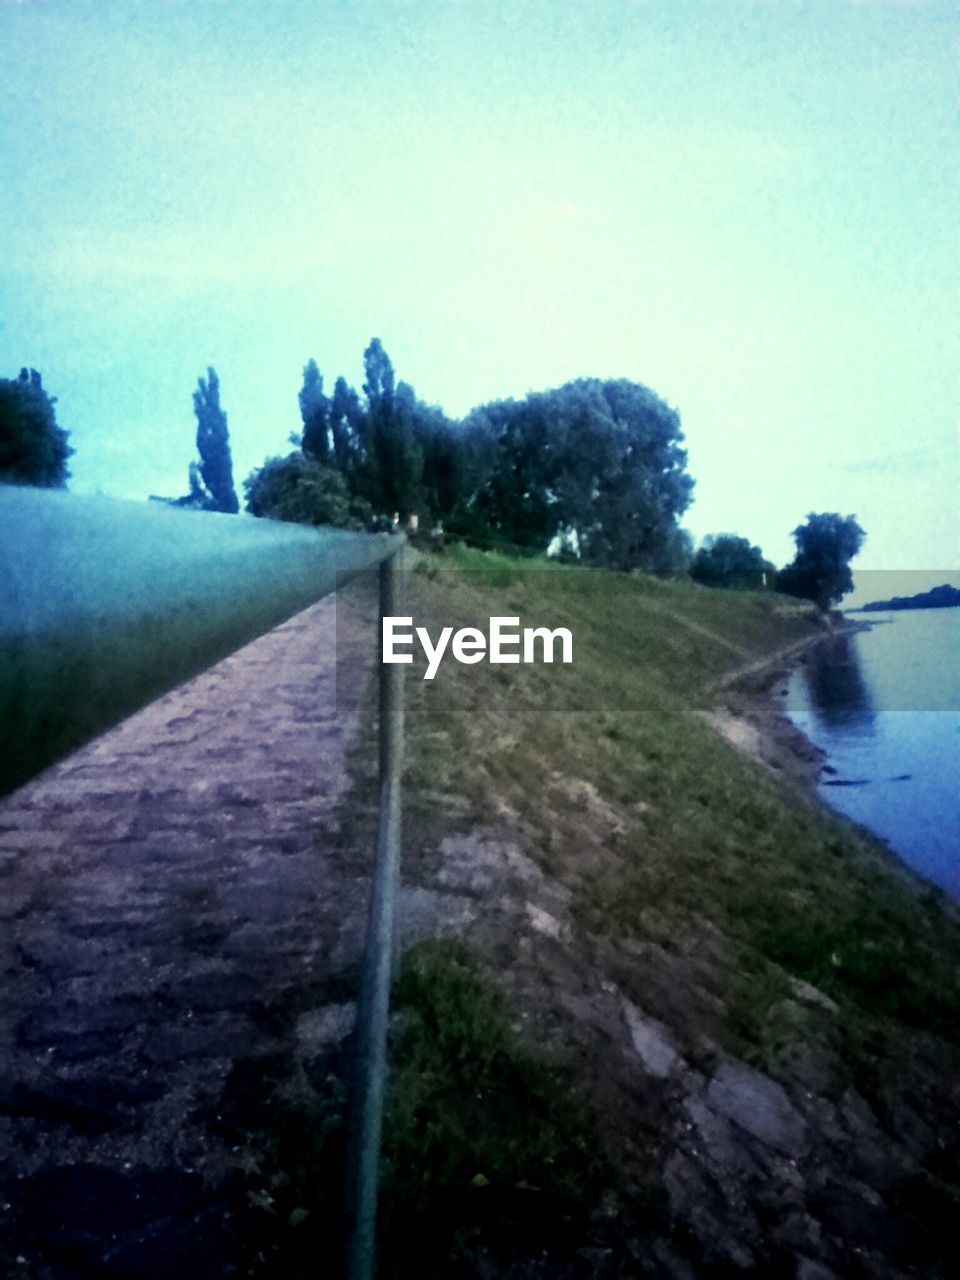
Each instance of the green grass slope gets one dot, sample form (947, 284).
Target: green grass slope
(700, 833)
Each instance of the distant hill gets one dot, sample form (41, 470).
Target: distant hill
(942, 597)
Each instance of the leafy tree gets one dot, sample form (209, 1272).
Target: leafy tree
(675, 554)
(302, 490)
(394, 452)
(596, 467)
(211, 481)
(453, 462)
(820, 570)
(345, 415)
(393, 430)
(315, 414)
(393, 461)
(33, 449)
(725, 560)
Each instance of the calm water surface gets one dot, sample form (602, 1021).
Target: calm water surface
(885, 706)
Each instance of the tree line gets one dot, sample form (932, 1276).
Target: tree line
(594, 472)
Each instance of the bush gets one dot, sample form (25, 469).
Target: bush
(303, 491)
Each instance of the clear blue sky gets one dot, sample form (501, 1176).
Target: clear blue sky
(750, 207)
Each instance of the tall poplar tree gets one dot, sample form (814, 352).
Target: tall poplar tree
(315, 415)
(394, 461)
(214, 487)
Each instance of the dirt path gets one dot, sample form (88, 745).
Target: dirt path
(174, 898)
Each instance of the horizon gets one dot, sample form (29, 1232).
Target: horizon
(750, 211)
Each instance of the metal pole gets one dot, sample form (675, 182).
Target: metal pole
(366, 1112)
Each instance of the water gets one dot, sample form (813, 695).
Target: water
(885, 706)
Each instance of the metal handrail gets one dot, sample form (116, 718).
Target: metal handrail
(366, 1104)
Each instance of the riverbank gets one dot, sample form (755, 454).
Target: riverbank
(750, 714)
(756, 1003)
(659, 1014)
(749, 711)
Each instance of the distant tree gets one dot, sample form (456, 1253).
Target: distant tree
(596, 466)
(302, 490)
(33, 449)
(725, 560)
(453, 462)
(395, 452)
(211, 481)
(820, 570)
(676, 554)
(315, 415)
(391, 470)
(345, 415)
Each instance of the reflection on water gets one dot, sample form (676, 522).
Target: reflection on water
(837, 692)
(884, 705)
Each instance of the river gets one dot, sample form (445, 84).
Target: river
(884, 705)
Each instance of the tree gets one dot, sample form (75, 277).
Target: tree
(345, 415)
(676, 554)
(300, 489)
(315, 415)
(211, 483)
(596, 467)
(33, 449)
(453, 462)
(390, 468)
(725, 560)
(820, 570)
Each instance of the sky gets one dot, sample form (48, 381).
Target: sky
(749, 207)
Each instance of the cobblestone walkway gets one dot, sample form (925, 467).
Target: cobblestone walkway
(163, 892)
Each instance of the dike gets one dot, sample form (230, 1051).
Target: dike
(658, 1013)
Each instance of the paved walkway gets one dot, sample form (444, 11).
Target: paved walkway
(172, 898)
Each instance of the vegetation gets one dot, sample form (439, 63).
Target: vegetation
(300, 489)
(211, 479)
(794, 891)
(594, 470)
(594, 467)
(33, 449)
(383, 456)
(725, 560)
(698, 884)
(472, 1105)
(476, 1118)
(943, 597)
(820, 570)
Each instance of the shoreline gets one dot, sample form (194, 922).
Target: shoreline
(750, 715)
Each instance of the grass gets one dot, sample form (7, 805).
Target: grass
(475, 1120)
(476, 1116)
(496, 1147)
(703, 838)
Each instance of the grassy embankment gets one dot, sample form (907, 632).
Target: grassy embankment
(704, 835)
(607, 776)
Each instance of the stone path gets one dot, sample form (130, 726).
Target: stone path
(170, 896)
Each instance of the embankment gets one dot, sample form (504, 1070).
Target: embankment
(659, 1012)
(756, 1003)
